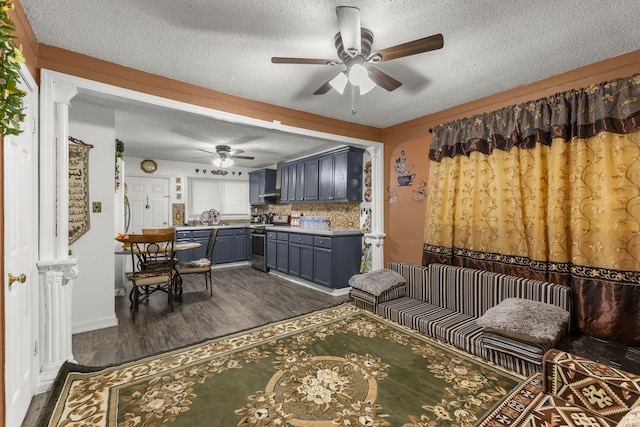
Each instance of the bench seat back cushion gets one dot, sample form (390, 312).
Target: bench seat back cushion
(472, 291)
(417, 278)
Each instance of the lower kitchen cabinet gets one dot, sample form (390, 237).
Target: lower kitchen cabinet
(232, 245)
(242, 239)
(282, 262)
(199, 236)
(301, 255)
(327, 261)
(336, 259)
(272, 249)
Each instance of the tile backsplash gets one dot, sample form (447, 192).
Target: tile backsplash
(339, 214)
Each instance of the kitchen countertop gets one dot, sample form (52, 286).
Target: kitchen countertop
(271, 227)
(330, 232)
(207, 227)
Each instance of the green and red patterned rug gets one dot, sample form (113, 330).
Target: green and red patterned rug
(337, 367)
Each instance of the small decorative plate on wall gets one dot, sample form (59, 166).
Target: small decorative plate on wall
(148, 165)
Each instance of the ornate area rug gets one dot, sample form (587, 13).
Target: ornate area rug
(337, 367)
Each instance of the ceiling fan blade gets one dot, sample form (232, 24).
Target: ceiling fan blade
(349, 23)
(281, 60)
(425, 44)
(243, 157)
(209, 152)
(324, 88)
(234, 152)
(204, 157)
(383, 80)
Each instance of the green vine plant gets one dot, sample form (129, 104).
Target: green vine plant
(119, 155)
(11, 108)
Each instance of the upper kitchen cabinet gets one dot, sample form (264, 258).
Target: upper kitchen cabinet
(340, 176)
(262, 186)
(331, 177)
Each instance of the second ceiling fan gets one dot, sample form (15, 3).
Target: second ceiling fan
(353, 44)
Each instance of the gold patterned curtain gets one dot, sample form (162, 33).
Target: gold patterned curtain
(548, 189)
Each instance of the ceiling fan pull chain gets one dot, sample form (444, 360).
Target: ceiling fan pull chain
(353, 99)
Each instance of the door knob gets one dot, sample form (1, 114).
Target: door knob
(21, 278)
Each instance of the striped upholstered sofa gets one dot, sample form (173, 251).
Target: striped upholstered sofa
(445, 302)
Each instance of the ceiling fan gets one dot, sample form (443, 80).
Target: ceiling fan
(224, 155)
(353, 44)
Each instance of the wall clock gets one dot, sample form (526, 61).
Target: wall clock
(149, 166)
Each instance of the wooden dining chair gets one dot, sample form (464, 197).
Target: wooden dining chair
(153, 267)
(201, 266)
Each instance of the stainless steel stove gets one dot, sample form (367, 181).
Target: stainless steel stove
(259, 248)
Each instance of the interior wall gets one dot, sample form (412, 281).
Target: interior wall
(405, 206)
(405, 221)
(92, 304)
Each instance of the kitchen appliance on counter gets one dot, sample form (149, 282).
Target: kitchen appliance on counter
(280, 220)
(259, 248)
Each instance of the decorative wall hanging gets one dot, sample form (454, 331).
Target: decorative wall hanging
(393, 198)
(367, 182)
(220, 172)
(419, 194)
(78, 188)
(403, 169)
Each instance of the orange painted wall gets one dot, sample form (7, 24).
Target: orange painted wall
(405, 211)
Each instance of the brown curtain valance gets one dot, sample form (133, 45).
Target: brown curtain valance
(612, 106)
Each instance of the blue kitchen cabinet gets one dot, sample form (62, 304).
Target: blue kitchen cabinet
(340, 175)
(272, 249)
(240, 236)
(311, 180)
(184, 237)
(260, 182)
(294, 259)
(301, 255)
(336, 259)
(282, 253)
(198, 236)
(223, 250)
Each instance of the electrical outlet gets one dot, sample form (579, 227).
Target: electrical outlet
(97, 207)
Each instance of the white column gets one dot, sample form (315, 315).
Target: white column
(55, 318)
(376, 236)
(57, 270)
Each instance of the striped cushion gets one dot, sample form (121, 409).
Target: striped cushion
(529, 351)
(444, 302)
(417, 279)
(402, 309)
(462, 331)
(368, 301)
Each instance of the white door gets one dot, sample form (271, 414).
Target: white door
(20, 252)
(148, 202)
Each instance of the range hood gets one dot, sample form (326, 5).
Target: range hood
(274, 193)
(271, 194)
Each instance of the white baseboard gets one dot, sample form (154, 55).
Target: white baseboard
(298, 281)
(92, 325)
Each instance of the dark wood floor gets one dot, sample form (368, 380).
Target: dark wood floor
(243, 298)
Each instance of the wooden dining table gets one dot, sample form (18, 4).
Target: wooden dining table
(177, 247)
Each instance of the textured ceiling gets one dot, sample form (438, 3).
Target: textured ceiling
(489, 45)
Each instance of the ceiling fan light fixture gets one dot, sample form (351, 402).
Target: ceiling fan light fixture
(222, 162)
(339, 82)
(366, 86)
(359, 76)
